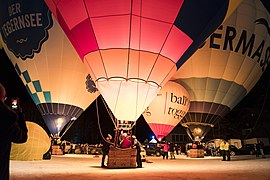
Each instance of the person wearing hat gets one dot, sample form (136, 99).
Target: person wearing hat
(105, 149)
(12, 129)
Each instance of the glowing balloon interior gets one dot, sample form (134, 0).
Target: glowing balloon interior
(46, 62)
(132, 48)
(220, 74)
(167, 109)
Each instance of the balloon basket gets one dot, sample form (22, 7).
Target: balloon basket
(196, 153)
(122, 158)
(56, 150)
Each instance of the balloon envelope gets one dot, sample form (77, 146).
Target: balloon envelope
(37, 144)
(132, 48)
(167, 109)
(220, 74)
(46, 62)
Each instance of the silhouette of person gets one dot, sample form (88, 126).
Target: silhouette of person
(105, 149)
(137, 145)
(13, 129)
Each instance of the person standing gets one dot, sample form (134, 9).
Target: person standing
(137, 145)
(212, 149)
(171, 148)
(13, 129)
(256, 149)
(222, 150)
(105, 149)
(261, 146)
(227, 150)
(165, 150)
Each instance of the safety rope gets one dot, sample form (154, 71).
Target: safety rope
(99, 122)
(109, 112)
(67, 128)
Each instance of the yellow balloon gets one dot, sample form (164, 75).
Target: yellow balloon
(37, 144)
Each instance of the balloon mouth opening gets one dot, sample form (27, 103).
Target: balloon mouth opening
(135, 80)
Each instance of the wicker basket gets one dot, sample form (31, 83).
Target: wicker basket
(122, 158)
(196, 153)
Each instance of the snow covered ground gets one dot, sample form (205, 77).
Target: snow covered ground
(82, 167)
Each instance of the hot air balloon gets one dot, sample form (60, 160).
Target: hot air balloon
(46, 62)
(37, 144)
(167, 109)
(132, 48)
(220, 74)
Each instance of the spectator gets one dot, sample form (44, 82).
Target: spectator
(212, 149)
(227, 150)
(256, 149)
(222, 150)
(171, 148)
(260, 148)
(13, 129)
(176, 149)
(165, 150)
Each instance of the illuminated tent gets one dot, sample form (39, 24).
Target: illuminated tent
(132, 48)
(220, 74)
(46, 62)
(167, 109)
(37, 144)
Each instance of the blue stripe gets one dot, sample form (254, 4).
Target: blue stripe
(37, 86)
(26, 76)
(47, 96)
(17, 69)
(28, 89)
(35, 98)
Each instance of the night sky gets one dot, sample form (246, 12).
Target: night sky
(251, 115)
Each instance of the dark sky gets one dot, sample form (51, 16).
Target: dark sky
(251, 115)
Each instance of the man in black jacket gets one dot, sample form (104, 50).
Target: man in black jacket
(12, 129)
(137, 145)
(105, 149)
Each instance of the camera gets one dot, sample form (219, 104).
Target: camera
(15, 103)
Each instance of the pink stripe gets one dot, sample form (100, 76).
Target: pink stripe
(161, 130)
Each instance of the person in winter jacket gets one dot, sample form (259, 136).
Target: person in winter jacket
(13, 129)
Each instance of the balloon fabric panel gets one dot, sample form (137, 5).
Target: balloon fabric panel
(53, 75)
(167, 109)
(220, 74)
(120, 39)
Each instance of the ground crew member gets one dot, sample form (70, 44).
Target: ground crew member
(222, 150)
(227, 150)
